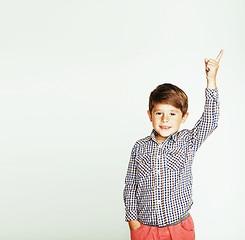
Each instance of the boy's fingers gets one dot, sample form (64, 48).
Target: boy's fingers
(213, 61)
(219, 56)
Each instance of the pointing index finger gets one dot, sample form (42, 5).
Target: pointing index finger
(219, 56)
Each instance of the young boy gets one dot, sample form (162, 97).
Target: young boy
(158, 183)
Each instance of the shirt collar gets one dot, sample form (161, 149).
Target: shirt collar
(172, 136)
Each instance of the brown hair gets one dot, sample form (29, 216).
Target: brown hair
(169, 94)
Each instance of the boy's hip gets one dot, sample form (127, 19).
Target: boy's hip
(184, 230)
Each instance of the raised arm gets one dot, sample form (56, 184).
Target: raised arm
(209, 119)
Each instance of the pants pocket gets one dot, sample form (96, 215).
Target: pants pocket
(139, 233)
(188, 224)
(137, 229)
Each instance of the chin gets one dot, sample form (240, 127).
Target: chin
(166, 134)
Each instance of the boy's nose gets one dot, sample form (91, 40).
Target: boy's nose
(165, 118)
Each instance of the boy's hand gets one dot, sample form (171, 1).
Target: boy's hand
(134, 224)
(211, 67)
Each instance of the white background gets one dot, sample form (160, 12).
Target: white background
(75, 81)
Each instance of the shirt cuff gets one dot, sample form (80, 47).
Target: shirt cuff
(212, 93)
(130, 216)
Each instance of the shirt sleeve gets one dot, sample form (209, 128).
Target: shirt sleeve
(208, 121)
(129, 192)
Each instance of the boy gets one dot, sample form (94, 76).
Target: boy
(158, 184)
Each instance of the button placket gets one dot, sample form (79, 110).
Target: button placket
(158, 181)
(164, 175)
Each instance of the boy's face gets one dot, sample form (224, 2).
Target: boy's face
(166, 120)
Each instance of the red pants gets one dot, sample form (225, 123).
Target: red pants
(181, 231)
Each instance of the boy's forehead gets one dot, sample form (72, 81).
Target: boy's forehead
(161, 106)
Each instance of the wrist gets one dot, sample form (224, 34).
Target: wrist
(211, 83)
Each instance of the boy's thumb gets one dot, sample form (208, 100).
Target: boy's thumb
(206, 60)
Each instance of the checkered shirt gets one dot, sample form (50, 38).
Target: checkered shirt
(158, 183)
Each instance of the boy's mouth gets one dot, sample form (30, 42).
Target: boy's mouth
(165, 127)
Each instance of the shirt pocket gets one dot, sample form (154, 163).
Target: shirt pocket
(143, 165)
(175, 159)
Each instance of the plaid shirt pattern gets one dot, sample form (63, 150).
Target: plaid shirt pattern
(158, 183)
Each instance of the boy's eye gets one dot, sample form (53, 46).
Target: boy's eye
(159, 113)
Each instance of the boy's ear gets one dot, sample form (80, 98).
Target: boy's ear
(149, 115)
(185, 117)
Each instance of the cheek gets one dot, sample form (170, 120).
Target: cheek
(177, 121)
(155, 121)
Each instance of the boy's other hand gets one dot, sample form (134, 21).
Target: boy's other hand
(211, 67)
(134, 224)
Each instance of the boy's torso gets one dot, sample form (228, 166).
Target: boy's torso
(164, 178)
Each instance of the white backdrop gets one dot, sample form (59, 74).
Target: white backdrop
(75, 81)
